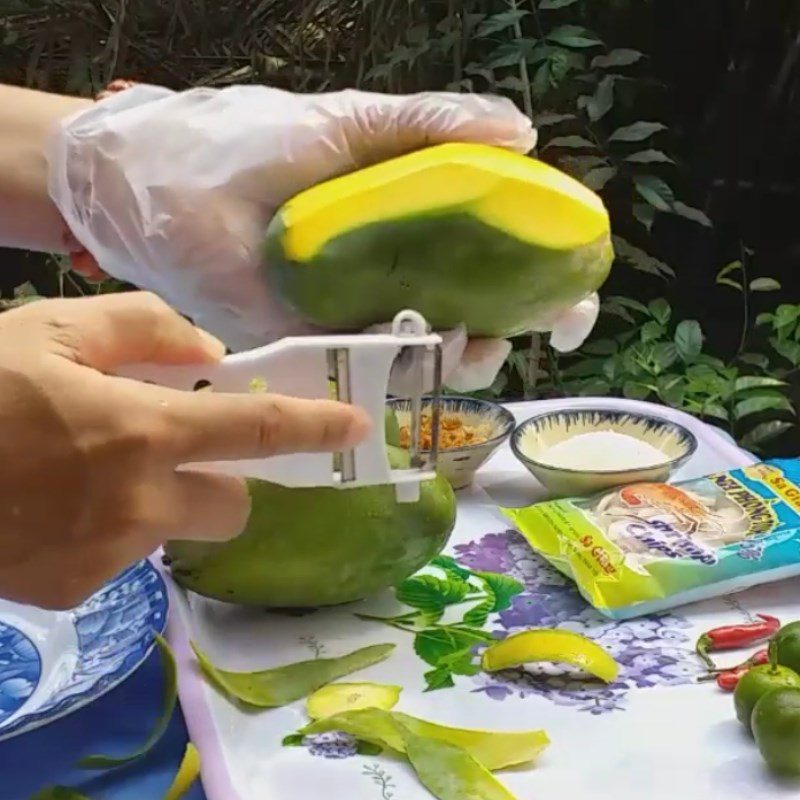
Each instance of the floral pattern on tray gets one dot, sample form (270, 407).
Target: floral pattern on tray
(652, 651)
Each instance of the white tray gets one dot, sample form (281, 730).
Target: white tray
(656, 736)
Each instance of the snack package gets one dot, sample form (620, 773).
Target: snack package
(648, 547)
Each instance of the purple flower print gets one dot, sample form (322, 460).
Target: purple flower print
(652, 651)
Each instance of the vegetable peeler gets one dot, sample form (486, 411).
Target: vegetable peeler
(359, 365)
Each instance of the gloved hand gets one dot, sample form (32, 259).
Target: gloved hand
(172, 192)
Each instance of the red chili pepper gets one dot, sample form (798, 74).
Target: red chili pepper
(729, 678)
(731, 637)
(727, 681)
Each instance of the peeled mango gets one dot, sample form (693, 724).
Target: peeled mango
(305, 548)
(462, 233)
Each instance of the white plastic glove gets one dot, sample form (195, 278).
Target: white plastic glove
(172, 192)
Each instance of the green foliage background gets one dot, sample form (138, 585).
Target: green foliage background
(579, 68)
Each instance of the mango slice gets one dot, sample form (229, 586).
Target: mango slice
(339, 697)
(550, 645)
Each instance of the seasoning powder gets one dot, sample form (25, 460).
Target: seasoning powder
(602, 451)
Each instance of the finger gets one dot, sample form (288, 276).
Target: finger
(209, 426)
(382, 126)
(208, 507)
(85, 265)
(404, 377)
(108, 331)
(481, 361)
(572, 328)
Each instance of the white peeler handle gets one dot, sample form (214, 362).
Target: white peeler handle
(299, 367)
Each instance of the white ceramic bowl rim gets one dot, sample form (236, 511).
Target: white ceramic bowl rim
(661, 421)
(508, 419)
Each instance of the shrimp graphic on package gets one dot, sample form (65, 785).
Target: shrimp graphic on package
(648, 547)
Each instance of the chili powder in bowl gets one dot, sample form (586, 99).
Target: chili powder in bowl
(470, 431)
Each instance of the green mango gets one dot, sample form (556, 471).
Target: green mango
(461, 233)
(304, 548)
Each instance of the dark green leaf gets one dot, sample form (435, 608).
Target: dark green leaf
(476, 616)
(733, 266)
(665, 354)
(430, 594)
(418, 34)
(573, 36)
(596, 179)
(629, 302)
(655, 191)
(451, 566)
(756, 382)
(547, 119)
(645, 214)
(764, 285)
(689, 340)
(652, 330)
(439, 678)
(637, 132)
(542, 84)
(612, 367)
(511, 53)
(600, 347)
(765, 319)
(618, 311)
(693, 214)
(765, 432)
(595, 387)
(762, 402)
(671, 390)
(715, 410)
(756, 359)
(460, 663)
(786, 315)
(639, 259)
(649, 157)
(602, 101)
(434, 644)
(584, 368)
(546, 5)
(168, 702)
(293, 740)
(503, 588)
(660, 310)
(621, 57)
(636, 391)
(501, 21)
(788, 349)
(572, 142)
(512, 82)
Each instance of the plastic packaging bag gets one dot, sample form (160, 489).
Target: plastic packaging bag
(649, 547)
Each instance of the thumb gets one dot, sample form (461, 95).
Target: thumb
(378, 127)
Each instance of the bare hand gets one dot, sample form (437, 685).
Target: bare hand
(88, 480)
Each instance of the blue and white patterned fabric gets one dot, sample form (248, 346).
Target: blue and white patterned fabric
(99, 644)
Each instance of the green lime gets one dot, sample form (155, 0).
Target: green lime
(776, 727)
(786, 646)
(755, 683)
